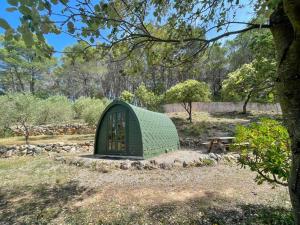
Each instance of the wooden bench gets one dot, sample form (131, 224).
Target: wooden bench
(225, 141)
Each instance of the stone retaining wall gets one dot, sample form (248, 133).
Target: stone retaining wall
(66, 129)
(19, 150)
(107, 165)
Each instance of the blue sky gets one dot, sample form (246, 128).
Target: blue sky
(59, 42)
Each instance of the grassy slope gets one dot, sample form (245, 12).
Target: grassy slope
(218, 124)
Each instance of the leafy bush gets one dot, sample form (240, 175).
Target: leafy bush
(80, 104)
(89, 109)
(147, 98)
(265, 148)
(127, 96)
(55, 109)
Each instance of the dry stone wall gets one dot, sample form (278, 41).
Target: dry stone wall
(65, 129)
(20, 150)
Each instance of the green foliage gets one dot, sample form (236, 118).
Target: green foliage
(253, 81)
(21, 67)
(265, 148)
(19, 109)
(187, 92)
(89, 109)
(55, 109)
(127, 96)
(147, 98)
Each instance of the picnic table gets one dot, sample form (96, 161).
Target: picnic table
(220, 141)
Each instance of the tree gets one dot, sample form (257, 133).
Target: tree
(147, 98)
(188, 92)
(125, 22)
(21, 109)
(268, 150)
(21, 68)
(251, 81)
(127, 96)
(81, 71)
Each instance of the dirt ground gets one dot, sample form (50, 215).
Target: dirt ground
(39, 190)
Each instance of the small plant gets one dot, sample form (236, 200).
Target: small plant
(265, 148)
(207, 162)
(127, 96)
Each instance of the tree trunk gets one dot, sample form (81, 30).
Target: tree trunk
(285, 23)
(26, 134)
(246, 102)
(190, 112)
(32, 83)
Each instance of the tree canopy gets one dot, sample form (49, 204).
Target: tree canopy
(188, 92)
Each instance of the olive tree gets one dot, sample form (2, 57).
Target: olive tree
(188, 92)
(21, 110)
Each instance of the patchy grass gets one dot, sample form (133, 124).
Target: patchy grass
(44, 139)
(216, 124)
(38, 190)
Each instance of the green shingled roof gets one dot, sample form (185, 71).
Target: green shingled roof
(147, 133)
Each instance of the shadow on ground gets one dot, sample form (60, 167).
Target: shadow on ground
(48, 204)
(206, 210)
(38, 204)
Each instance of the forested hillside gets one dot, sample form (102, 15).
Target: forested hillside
(235, 70)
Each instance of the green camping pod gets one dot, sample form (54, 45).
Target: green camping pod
(129, 131)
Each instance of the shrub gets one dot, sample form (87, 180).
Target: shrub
(90, 109)
(127, 96)
(147, 98)
(265, 148)
(55, 109)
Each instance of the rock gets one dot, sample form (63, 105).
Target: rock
(23, 152)
(124, 166)
(219, 157)
(177, 163)
(165, 166)
(212, 156)
(66, 148)
(48, 148)
(61, 144)
(8, 153)
(153, 161)
(150, 166)
(37, 150)
(184, 164)
(73, 150)
(137, 165)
